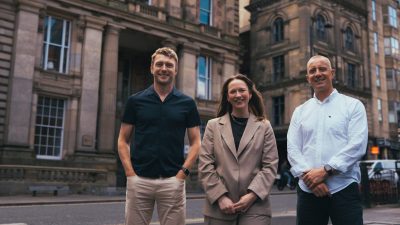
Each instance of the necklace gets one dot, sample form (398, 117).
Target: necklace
(239, 121)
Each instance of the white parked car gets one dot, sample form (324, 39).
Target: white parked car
(383, 169)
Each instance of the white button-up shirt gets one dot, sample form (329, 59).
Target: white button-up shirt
(333, 132)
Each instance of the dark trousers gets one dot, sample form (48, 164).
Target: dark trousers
(343, 207)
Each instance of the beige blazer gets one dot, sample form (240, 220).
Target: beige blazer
(223, 170)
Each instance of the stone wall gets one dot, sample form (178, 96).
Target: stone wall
(7, 23)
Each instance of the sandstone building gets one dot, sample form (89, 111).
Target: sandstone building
(360, 38)
(68, 66)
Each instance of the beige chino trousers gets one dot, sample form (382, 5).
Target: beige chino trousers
(244, 219)
(142, 193)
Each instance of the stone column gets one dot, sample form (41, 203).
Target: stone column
(91, 60)
(170, 44)
(231, 63)
(21, 81)
(108, 90)
(305, 28)
(187, 73)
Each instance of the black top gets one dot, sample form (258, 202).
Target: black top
(238, 126)
(159, 131)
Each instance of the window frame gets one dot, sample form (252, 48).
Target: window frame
(207, 11)
(349, 39)
(351, 75)
(278, 30)
(392, 46)
(373, 6)
(379, 108)
(278, 73)
(321, 27)
(392, 18)
(376, 42)
(207, 77)
(392, 111)
(65, 46)
(49, 127)
(278, 113)
(378, 76)
(391, 83)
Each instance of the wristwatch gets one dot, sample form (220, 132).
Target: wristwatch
(186, 171)
(328, 169)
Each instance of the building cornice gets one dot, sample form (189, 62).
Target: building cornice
(358, 6)
(159, 25)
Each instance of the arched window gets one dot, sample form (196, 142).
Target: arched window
(278, 33)
(321, 27)
(349, 39)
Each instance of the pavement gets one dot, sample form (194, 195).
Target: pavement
(376, 215)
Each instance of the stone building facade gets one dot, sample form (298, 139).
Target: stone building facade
(285, 33)
(68, 66)
(383, 26)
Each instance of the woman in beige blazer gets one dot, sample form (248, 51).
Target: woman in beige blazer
(238, 158)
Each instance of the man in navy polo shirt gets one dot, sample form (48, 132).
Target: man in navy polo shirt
(158, 118)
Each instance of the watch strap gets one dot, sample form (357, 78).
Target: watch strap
(328, 169)
(185, 170)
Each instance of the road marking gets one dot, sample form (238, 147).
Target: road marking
(13, 224)
(377, 223)
(289, 213)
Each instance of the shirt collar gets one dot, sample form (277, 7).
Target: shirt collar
(329, 98)
(150, 91)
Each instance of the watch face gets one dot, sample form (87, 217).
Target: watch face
(328, 169)
(185, 171)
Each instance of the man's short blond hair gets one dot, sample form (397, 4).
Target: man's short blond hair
(167, 52)
(319, 57)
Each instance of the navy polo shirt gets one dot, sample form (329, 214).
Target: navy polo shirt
(159, 131)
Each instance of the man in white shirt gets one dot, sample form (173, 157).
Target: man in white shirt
(326, 139)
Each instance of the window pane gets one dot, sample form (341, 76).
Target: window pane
(202, 66)
(201, 88)
(349, 39)
(373, 10)
(66, 36)
(46, 26)
(56, 31)
(42, 150)
(387, 46)
(45, 120)
(57, 151)
(278, 110)
(205, 4)
(320, 27)
(65, 60)
(392, 16)
(53, 61)
(59, 122)
(38, 119)
(204, 78)
(204, 17)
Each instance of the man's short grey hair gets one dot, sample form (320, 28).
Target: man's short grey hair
(319, 57)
